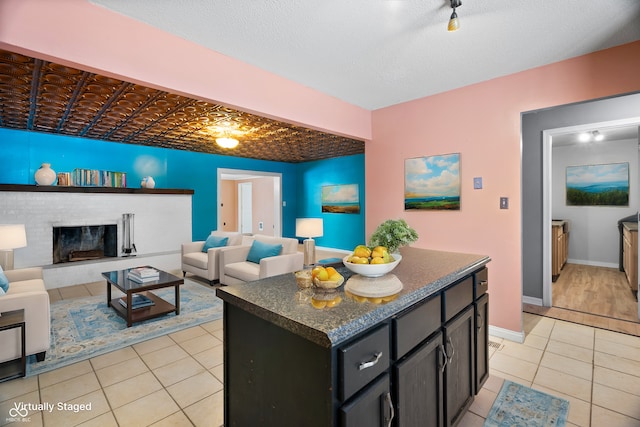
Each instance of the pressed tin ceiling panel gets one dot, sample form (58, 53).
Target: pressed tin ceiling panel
(41, 96)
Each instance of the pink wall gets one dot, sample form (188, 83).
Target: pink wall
(482, 122)
(89, 37)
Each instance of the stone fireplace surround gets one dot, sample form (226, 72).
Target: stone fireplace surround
(162, 223)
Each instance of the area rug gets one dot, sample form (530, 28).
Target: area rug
(517, 405)
(82, 328)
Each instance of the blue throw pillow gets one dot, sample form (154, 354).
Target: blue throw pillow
(4, 282)
(261, 250)
(214, 242)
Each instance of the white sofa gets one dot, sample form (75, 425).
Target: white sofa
(206, 265)
(26, 291)
(234, 267)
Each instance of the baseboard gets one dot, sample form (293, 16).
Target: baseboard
(593, 263)
(532, 300)
(506, 334)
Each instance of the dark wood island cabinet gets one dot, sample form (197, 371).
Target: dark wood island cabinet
(418, 360)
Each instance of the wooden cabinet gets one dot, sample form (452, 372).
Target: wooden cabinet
(559, 247)
(416, 367)
(459, 382)
(630, 253)
(481, 306)
(419, 385)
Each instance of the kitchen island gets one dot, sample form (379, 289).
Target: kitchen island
(418, 359)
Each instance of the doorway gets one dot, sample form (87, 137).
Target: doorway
(591, 282)
(249, 201)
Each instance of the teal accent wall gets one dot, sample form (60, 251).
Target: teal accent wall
(22, 153)
(341, 231)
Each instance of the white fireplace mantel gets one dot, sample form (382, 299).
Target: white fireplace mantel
(163, 222)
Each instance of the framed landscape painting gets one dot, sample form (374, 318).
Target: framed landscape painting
(432, 183)
(341, 199)
(598, 185)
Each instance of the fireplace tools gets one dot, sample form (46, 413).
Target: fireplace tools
(128, 247)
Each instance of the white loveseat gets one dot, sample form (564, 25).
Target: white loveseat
(234, 267)
(26, 291)
(206, 265)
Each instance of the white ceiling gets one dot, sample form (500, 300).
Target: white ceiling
(376, 53)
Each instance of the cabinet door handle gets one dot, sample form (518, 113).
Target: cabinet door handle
(370, 363)
(443, 358)
(392, 412)
(479, 321)
(483, 283)
(453, 350)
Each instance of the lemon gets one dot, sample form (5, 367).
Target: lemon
(318, 304)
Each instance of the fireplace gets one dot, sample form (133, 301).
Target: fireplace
(84, 242)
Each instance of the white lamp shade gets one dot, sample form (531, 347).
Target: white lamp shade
(12, 236)
(309, 227)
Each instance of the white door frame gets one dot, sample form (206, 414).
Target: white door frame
(245, 190)
(244, 174)
(547, 137)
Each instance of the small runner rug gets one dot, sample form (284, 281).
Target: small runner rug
(82, 328)
(517, 405)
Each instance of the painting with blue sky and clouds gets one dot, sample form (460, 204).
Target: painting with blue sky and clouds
(341, 198)
(598, 185)
(432, 183)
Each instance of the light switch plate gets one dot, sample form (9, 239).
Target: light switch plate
(504, 203)
(477, 183)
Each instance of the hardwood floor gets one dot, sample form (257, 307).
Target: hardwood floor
(593, 296)
(596, 290)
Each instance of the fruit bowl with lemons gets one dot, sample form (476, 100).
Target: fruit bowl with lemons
(369, 262)
(326, 277)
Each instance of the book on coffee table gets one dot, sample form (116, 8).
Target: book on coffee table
(144, 272)
(139, 279)
(137, 301)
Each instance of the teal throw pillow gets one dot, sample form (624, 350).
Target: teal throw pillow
(214, 242)
(4, 282)
(261, 250)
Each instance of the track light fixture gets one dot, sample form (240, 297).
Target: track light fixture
(454, 24)
(590, 136)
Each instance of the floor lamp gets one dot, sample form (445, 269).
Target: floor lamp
(309, 228)
(12, 236)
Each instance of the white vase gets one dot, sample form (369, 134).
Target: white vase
(148, 182)
(45, 175)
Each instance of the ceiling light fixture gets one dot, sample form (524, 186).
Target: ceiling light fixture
(454, 24)
(226, 142)
(597, 136)
(584, 137)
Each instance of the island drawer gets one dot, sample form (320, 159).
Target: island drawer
(482, 282)
(415, 325)
(363, 360)
(457, 297)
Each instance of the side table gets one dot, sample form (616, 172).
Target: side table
(14, 368)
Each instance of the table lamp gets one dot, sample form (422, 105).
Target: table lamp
(12, 236)
(309, 228)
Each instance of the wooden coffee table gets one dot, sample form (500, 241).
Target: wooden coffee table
(120, 280)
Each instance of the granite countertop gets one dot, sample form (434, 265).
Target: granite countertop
(422, 272)
(631, 226)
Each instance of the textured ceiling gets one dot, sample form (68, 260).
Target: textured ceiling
(376, 53)
(41, 96)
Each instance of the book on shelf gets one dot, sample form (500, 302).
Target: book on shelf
(137, 301)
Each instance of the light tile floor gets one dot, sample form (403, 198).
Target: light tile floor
(176, 379)
(596, 370)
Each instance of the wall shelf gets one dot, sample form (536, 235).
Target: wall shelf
(106, 190)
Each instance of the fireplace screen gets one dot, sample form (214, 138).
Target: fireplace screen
(84, 242)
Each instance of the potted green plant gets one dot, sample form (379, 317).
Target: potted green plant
(393, 233)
